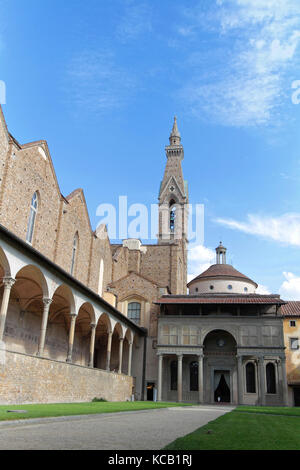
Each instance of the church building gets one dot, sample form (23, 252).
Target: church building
(82, 317)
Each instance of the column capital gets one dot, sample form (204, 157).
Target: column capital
(121, 339)
(179, 356)
(72, 315)
(8, 282)
(93, 326)
(47, 301)
(200, 356)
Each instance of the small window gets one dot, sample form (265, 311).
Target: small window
(32, 217)
(229, 287)
(196, 289)
(134, 312)
(211, 287)
(293, 323)
(294, 343)
(245, 289)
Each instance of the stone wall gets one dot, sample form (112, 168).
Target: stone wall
(28, 379)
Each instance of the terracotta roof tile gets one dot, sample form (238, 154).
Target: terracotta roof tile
(291, 309)
(222, 299)
(222, 270)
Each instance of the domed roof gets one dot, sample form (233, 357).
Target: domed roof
(222, 271)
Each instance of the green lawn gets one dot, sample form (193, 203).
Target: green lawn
(238, 430)
(274, 410)
(67, 409)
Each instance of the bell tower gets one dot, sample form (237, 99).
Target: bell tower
(173, 194)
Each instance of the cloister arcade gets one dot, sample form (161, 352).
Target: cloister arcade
(46, 313)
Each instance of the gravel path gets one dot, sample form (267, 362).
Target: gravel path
(133, 430)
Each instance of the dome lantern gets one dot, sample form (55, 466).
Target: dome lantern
(221, 254)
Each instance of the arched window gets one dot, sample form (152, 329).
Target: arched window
(250, 378)
(173, 374)
(271, 378)
(134, 312)
(32, 217)
(172, 209)
(101, 272)
(74, 250)
(194, 376)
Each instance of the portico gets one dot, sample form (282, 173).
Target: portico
(221, 347)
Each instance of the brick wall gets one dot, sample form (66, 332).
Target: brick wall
(28, 379)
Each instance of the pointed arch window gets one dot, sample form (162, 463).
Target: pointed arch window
(101, 272)
(74, 251)
(32, 218)
(134, 312)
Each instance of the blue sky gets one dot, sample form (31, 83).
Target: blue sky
(101, 80)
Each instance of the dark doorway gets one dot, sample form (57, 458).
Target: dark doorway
(297, 396)
(150, 387)
(222, 391)
(96, 352)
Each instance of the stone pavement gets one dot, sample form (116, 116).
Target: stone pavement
(132, 430)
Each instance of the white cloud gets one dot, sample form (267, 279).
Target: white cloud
(96, 82)
(200, 258)
(284, 229)
(262, 290)
(290, 288)
(260, 39)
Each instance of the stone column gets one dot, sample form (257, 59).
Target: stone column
(71, 336)
(262, 385)
(200, 379)
(130, 358)
(240, 379)
(120, 355)
(283, 377)
(47, 303)
(108, 351)
(159, 378)
(92, 345)
(8, 283)
(179, 377)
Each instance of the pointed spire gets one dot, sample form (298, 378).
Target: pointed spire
(175, 137)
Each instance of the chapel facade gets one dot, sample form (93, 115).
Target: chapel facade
(222, 342)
